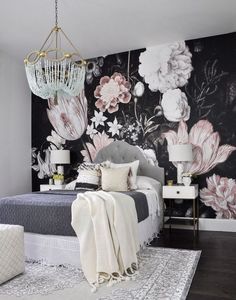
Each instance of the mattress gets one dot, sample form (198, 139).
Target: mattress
(50, 212)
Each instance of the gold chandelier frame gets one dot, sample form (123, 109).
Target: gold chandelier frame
(52, 71)
(44, 53)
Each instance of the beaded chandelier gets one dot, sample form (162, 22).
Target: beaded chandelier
(51, 70)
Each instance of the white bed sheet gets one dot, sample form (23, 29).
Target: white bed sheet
(56, 250)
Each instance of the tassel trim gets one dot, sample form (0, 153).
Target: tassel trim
(114, 278)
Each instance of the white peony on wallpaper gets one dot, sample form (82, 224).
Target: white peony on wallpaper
(181, 92)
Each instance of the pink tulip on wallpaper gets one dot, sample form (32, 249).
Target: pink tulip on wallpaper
(207, 152)
(100, 140)
(69, 116)
(220, 194)
(111, 91)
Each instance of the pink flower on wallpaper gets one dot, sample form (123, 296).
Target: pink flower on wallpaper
(111, 91)
(207, 152)
(220, 194)
(100, 140)
(69, 116)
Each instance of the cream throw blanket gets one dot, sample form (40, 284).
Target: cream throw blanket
(107, 227)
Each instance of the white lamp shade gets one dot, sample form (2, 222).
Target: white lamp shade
(60, 157)
(180, 152)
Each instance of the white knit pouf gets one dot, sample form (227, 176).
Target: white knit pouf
(12, 260)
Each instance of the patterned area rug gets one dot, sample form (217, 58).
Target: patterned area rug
(164, 274)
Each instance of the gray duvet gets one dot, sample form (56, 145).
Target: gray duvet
(50, 212)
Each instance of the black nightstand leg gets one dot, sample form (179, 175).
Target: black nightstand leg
(197, 214)
(194, 216)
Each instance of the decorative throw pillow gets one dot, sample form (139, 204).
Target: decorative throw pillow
(89, 176)
(115, 179)
(133, 172)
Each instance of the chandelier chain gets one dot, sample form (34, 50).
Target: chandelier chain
(56, 13)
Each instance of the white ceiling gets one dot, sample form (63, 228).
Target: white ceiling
(100, 27)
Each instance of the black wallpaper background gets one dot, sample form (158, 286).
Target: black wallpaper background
(213, 81)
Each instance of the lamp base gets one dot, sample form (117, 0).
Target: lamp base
(60, 170)
(180, 169)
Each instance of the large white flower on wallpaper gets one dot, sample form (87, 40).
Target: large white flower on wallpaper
(114, 127)
(111, 91)
(220, 194)
(56, 141)
(91, 131)
(166, 67)
(175, 106)
(44, 167)
(100, 140)
(98, 118)
(69, 116)
(207, 152)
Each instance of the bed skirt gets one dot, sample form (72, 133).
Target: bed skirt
(57, 250)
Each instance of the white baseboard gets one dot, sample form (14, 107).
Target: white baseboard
(228, 225)
(217, 224)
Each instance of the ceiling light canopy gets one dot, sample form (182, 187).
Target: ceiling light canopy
(51, 70)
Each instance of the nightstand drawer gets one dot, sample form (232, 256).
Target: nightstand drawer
(180, 192)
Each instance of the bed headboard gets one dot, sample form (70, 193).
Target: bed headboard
(121, 152)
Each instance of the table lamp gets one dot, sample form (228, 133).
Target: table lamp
(180, 153)
(60, 157)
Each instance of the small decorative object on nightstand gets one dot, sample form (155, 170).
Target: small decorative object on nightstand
(170, 182)
(48, 187)
(187, 178)
(58, 179)
(187, 193)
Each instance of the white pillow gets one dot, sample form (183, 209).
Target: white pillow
(115, 179)
(71, 185)
(133, 172)
(147, 183)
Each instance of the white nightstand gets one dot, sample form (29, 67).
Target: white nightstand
(188, 193)
(48, 187)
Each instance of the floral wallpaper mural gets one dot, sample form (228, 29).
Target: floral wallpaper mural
(181, 92)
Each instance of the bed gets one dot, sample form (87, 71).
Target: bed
(49, 236)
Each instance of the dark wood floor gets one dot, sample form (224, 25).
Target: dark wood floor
(215, 277)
